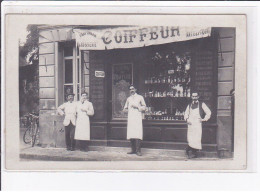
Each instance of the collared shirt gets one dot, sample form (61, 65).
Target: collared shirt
(135, 100)
(69, 109)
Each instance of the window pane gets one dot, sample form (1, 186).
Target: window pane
(77, 51)
(78, 92)
(86, 80)
(68, 51)
(85, 56)
(78, 71)
(68, 71)
(87, 90)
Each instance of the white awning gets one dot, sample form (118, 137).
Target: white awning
(133, 37)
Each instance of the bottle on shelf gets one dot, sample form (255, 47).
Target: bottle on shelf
(184, 93)
(183, 79)
(169, 79)
(174, 79)
(188, 92)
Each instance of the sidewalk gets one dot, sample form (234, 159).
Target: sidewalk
(98, 153)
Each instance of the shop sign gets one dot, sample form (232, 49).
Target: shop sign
(99, 74)
(132, 37)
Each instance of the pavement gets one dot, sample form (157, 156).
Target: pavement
(102, 153)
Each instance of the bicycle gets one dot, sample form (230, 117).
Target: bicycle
(31, 133)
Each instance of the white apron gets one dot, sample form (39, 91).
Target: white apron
(195, 129)
(134, 122)
(82, 131)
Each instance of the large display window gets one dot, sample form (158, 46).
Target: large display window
(167, 85)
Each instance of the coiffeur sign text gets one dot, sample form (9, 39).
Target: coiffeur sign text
(131, 37)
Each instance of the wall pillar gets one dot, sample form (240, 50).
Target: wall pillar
(226, 69)
(47, 104)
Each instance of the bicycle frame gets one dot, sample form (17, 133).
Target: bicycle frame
(32, 129)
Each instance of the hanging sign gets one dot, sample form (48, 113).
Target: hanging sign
(132, 37)
(99, 73)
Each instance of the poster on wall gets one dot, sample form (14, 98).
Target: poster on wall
(122, 78)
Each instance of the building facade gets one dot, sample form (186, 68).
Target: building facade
(165, 74)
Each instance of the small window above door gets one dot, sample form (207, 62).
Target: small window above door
(68, 51)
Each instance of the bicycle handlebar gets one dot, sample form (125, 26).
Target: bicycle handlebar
(33, 115)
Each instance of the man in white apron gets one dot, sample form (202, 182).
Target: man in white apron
(196, 113)
(69, 110)
(135, 105)
(84, 110)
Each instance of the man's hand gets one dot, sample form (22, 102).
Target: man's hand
(203, 120)
(133, 106)
(188, 122)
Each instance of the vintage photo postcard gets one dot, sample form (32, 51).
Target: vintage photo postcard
(125, 92)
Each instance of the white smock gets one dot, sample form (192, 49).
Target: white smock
(194, 133)
(82, 131)
(134, 122)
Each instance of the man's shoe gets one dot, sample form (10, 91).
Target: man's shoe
(68, 149)
(72, 149)
(83, 150)
(191, 156)
(187, 151)
(132, 152)
(138, 147)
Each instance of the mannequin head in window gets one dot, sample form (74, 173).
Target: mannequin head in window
(132, 90)
(68, 90)
(84, 96)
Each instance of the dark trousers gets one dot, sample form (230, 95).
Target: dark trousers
(69, 136)
(83, 145)
(136, 145)
(193, 150)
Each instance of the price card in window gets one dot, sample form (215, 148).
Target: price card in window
(171, 71)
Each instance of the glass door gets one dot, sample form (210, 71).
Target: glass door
(73, 72)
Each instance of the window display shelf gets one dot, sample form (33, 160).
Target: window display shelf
(167, 86)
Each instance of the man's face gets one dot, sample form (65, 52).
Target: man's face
(194, 97)
(84, 96)
(70, 98)
(132, 91)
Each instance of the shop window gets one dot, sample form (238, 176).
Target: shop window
(167, 85)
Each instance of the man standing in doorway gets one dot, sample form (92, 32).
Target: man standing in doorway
(135, 105)
(84, 111)
(196, 113)
(69, 110)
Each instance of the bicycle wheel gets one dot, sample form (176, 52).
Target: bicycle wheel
(27, 137)
(35, 133)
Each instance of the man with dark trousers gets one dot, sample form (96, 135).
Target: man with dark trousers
(135, 105)
(196, 113)
(69, 110)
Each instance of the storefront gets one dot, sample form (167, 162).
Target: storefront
(163, 64)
